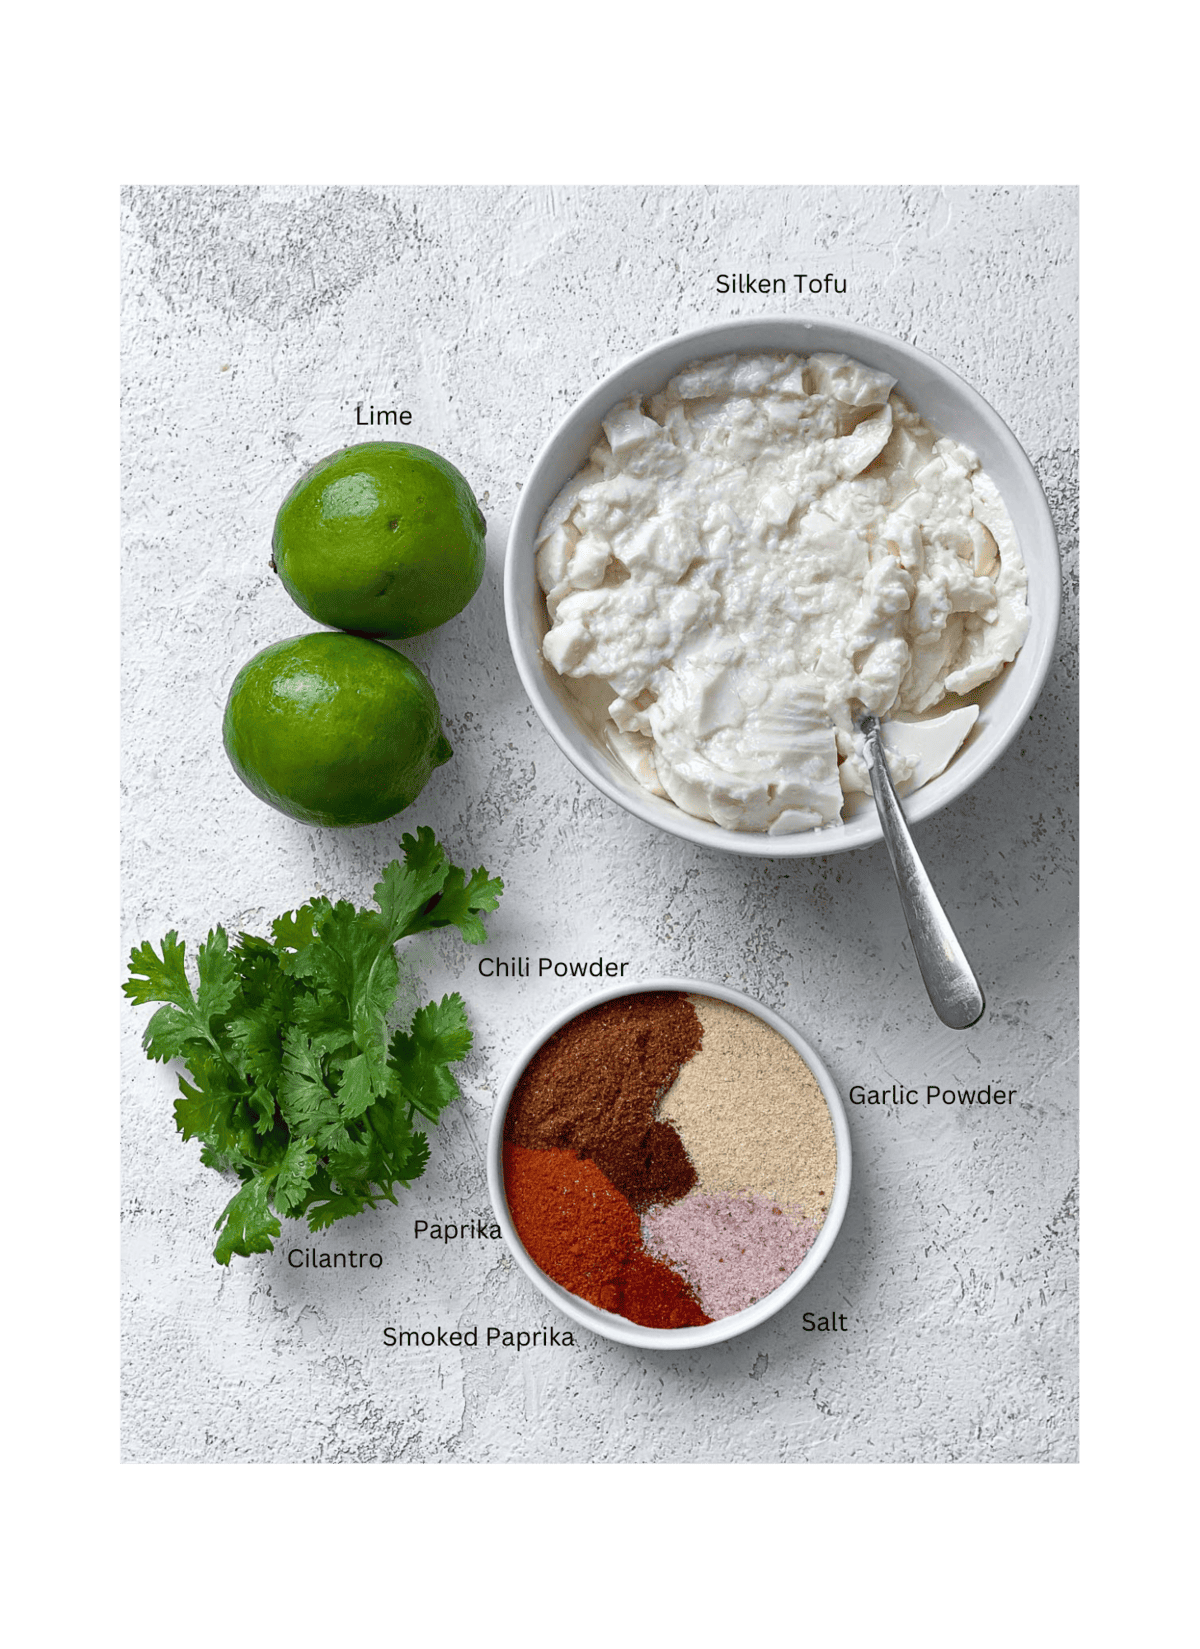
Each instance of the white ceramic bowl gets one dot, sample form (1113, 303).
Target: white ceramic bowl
(950, 406)
(725, 1328)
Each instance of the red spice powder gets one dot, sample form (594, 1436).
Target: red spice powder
(583, 1233)
(657, 1297)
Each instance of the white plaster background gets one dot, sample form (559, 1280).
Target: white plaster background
(254, 320)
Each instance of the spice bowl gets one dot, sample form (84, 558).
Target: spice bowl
(710, 1037)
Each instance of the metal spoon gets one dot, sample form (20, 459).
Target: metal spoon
(953, 988)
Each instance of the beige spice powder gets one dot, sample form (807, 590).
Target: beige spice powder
(751, 1114)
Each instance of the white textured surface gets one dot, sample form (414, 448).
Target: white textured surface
(255, 319)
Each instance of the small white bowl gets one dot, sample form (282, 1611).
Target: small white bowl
(951, 407)
(725, 1328)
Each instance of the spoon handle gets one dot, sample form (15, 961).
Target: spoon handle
(952, 986)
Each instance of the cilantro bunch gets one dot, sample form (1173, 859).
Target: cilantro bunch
(294, 1084)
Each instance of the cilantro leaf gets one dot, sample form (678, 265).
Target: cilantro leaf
(363, 1080)
(461, 903)
(439, 1036)
(354, 1167)
(404, 890)
(207, 1113)
(295, 1171)
(256, 1045)
(305, 1101)
(225, 1162)
(395, 1125)
(256, 966)
(215, 1106)
(159, 979)
(359, 967)
(170, 1032)
(296, 929)
(412, 1161)
(325, 1019)
(188, 1017)
(218, 974)
(337, 1205)
(247, 1224)
(352, 974)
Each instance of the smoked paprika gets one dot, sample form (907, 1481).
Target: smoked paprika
(583, 1233)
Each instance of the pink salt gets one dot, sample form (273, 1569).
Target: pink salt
(732, 1248)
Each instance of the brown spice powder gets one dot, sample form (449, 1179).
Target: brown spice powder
(752, 1114)
(594, 1086)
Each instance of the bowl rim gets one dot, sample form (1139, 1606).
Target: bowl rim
(1036, 654)
(606, 1323)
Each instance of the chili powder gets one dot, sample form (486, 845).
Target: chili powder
(583, 1233)
(593, 1088)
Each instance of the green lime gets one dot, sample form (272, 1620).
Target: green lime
(334, 729)
(383, 538)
